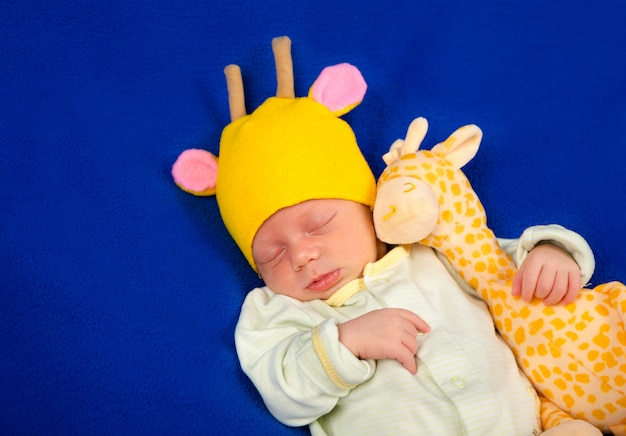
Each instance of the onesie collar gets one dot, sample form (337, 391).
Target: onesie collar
(372, 269)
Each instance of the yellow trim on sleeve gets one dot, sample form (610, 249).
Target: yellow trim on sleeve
(320, 350)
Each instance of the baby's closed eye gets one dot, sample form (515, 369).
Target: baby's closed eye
(270, 255)
(321, 224)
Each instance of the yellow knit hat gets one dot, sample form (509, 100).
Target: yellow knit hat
(287, 151)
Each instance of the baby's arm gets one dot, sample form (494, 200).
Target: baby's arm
(553, 263)
(384, 334)
(292, 354)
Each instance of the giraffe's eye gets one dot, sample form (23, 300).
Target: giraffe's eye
(408, 187)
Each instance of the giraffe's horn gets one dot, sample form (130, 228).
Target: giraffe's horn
(236, 99)
(281, 46)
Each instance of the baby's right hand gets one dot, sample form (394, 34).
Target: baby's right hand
(384, 334)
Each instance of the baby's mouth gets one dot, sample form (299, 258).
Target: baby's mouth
(325, 281)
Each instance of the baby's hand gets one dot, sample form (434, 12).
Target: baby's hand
(384, 334)
(548, 273)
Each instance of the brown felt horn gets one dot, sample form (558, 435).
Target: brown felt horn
(281, 46)
(236, 99)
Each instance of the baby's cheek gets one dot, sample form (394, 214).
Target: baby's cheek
(281, 280)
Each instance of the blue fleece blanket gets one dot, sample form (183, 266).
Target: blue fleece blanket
(119, 293)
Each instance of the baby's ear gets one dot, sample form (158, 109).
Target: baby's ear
(195, 171)
(339, 87)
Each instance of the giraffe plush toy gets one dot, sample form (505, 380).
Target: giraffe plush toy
(575, 354)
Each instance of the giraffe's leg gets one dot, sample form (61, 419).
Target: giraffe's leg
(607, 353)
(618, 430)
(576, 354)
(617, 296)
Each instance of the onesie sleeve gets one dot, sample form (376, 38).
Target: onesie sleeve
(568, 240)
(292, 354)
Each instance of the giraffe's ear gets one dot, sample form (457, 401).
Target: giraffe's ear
(461, 146)
(195, 171)
(415, 135)
(339, 87)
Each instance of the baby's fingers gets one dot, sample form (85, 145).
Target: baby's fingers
(417, 322)
(406, 355)
(573, 288)
(558, 289)
(409, 363)
(409, 342)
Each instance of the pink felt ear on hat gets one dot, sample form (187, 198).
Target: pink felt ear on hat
(339, 87)
(195, 171)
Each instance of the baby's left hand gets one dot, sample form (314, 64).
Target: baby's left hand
(547, 273)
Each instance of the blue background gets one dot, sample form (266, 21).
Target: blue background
(119, 293)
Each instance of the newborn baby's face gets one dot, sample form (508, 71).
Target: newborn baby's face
(310, 250)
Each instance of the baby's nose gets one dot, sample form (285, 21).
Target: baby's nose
(303, 253)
